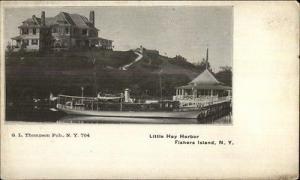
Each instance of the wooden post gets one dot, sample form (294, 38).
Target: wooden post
(211, 96)
(194, 93)
(121, 107)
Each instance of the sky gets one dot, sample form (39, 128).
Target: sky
(173, 30)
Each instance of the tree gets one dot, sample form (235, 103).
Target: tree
(180, 58)
(202, 65)
(9, 47)
(225, 75)
(226, 68)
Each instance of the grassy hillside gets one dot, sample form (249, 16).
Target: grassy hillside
(71, 59)
(158, 64)
(36, 75)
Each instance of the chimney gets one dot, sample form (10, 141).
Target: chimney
(92, 17)
(33, 19)
(43, 18)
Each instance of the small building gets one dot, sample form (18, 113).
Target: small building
(204, 89)
(63, 31)
(204, 86)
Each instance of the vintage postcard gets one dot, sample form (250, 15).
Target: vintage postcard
(149, 90)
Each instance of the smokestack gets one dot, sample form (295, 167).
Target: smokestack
(92, 17)
(43, 18)
(127, 95)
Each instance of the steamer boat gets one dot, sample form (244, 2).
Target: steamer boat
(119, 107)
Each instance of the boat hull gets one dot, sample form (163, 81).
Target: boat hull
(133, 114)
(99, 119)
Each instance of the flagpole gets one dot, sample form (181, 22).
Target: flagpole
(160, 85)
(206, 58)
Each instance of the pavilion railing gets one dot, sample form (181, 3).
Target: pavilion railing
(201, 101)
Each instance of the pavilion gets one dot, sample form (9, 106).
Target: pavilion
(205, 87)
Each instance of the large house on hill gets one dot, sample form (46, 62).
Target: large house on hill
(64, 31)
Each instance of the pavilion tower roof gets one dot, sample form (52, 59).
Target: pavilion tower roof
(206, 77)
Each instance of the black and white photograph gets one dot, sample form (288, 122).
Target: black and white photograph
(149, 90)
(119, 64)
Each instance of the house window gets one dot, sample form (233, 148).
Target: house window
(84, 32)
(91, 33)
(54, 30)
(33, 31)
(67, 30)
(25, 42)
(86, 42)
(65, 44)
(78, 43)
(34, 42)
(25, 31)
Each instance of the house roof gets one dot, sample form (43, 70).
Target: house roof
(20, 37)
(50, 21)
(34, 21)
(103, 39)
(17, 38)
(80, 21)
(61, 18)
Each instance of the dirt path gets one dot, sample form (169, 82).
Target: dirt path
(140, 56)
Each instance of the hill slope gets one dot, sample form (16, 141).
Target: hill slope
(36, 75)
